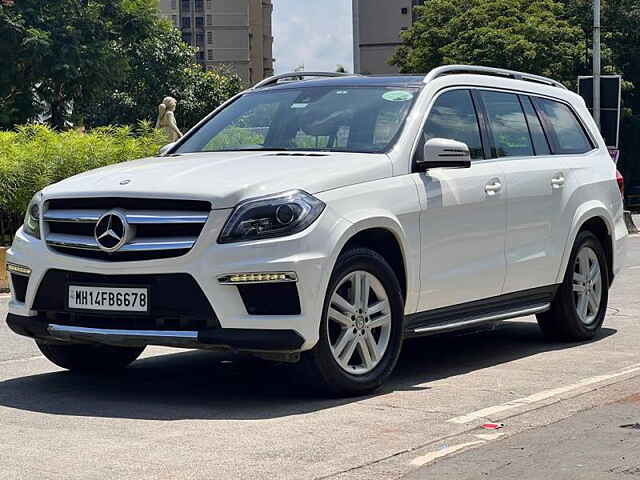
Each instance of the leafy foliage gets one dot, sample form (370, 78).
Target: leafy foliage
(527, 35)
(34, 156)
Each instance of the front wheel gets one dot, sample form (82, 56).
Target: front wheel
(361, 327)
(578, 311)
(90, 358)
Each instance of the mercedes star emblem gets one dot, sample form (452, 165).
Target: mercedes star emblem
(112, 231)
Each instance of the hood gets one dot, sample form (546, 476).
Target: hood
(225, 178)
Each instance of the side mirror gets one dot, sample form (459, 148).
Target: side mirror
(165, 149)
(445, 153)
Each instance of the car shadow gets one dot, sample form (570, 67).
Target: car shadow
(210, 386)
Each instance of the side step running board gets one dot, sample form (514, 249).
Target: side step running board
(475, 321)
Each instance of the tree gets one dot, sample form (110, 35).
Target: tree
(525, 35)
(98, 62)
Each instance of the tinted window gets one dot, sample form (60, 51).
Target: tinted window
(453, 116)
(540, 143)
(566, 132)
(507, 124)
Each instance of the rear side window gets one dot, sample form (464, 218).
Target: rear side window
(540, 143)
(507, 124)
(453, 116)
(566, 134)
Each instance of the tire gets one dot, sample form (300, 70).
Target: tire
(563, 322)
(90, 358)
(382, 324)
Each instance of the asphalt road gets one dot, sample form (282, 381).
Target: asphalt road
(195, 415)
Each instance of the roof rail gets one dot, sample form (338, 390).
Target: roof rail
(297, 75)
(499, 72)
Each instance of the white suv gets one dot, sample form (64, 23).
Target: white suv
(321, 219)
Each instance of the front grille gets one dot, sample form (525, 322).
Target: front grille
(176, 302)
(158, 228)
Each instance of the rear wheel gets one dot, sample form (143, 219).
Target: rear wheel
(578, 311)
(90, 358)
(361, 327)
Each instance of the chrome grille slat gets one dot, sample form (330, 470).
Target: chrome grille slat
(134, 217)
(72, 241)
(168, 231)
(140, 245)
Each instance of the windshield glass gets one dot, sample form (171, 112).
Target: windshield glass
(353, 119)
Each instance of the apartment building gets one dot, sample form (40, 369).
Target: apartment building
(377, 25)
(236, 33)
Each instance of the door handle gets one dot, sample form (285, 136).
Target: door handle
(493, 187)
(557, 181)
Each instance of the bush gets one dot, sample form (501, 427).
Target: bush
(34, 156)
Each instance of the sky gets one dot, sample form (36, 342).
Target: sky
(315, 33)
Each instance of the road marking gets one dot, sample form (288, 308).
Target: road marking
(5, 295)
(540, 396)
(634, 268)
(443, 452)
(20, 360)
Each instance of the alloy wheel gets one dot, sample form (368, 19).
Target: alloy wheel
(359, 322)
(587, 285)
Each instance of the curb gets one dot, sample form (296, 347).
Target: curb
(628, 219)
(4, 277)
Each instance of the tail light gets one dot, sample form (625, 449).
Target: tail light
(620, 180)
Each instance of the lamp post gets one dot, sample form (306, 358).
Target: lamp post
(596, 62)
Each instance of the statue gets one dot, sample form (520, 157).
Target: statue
(167, 120)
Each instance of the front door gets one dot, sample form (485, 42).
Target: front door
(463, 219)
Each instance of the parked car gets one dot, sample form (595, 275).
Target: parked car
(321, 219)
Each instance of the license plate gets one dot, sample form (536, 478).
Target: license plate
(110, 299)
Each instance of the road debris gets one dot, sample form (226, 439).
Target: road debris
(492, 426)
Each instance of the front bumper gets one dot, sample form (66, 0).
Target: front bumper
(248, 340)
(310, 254)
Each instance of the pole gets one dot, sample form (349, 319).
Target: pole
(596, 61)
(356, 35)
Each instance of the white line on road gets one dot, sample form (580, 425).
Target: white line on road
(443, 452)
(20, 360)
(540, 396)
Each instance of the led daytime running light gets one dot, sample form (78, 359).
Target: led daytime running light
(18, 269)
(258, 277)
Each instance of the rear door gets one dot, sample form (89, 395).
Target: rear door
(539, 173)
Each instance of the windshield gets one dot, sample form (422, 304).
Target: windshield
(355, 119)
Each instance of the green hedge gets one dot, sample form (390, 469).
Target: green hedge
(34, 156)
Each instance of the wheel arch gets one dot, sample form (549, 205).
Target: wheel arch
(597, 220)
(384, 235)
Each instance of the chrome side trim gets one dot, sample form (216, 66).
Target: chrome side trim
(113, 336)
(134, 217)
(485, 319)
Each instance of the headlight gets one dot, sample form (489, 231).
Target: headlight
(32, 217)
(273, 216)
